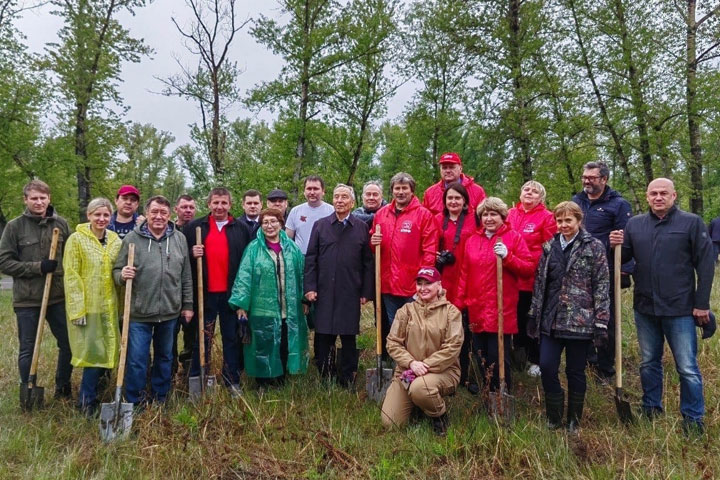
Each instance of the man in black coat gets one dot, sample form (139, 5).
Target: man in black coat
(339, 279)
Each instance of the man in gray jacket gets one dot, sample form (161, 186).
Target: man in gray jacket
(671, 249)
(162, 291)
(24, 251)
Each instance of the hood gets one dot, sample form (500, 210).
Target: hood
(284, 239)
(519, 207)
(441, 300)
(143, 231)
(504, 228)
(413, 205)
(49, 213)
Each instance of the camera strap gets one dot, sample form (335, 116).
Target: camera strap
(458, 230)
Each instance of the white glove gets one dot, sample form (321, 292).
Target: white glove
(500, 250)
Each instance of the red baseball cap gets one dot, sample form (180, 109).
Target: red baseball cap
(430, 274)
(450, 157)
(128, 190)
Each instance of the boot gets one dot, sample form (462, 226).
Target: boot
(575, 409)
(440, 424)
(554, 407)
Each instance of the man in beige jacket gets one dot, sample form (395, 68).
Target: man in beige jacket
(425, 341)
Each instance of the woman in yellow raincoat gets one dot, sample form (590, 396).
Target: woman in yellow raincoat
(91, 301)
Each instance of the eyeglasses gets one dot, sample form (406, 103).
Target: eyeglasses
(591, 178)
(270, 222)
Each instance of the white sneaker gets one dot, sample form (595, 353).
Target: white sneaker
(534, 370)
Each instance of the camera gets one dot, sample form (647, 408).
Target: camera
(444, 258)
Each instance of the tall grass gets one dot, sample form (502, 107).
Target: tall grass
(311, 429)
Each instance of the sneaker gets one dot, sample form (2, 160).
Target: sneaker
(534, 370)
(235, 390)
(440, 425)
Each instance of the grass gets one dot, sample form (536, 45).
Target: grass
(310, 429)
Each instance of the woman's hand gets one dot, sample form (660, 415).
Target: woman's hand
(419, 368)
(241, 313)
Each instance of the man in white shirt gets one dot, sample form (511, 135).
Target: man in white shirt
(303, 217)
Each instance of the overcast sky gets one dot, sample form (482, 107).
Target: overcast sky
(153, 24)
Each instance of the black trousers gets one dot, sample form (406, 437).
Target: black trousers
(486, 354)
(465, 349)
(521, 338)
(575, 359)
(325, 356)
(604, 358)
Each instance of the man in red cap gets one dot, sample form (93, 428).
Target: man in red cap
(451, 171)
(123, 221)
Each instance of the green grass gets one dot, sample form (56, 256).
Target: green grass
(309, 429)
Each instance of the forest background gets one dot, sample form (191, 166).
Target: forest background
(520, 89)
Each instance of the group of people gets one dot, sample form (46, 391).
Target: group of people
(271, 275)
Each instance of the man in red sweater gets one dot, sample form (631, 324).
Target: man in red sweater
(451, 171)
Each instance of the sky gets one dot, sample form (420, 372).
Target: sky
(140, 86)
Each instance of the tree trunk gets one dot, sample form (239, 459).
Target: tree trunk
(695, 161)
(304, 101)
(215, 156)
(520, 115)
(83, 170)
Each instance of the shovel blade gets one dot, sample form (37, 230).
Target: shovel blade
(377, 385)
(195, 386)
(623, 407)
(115, 424)
(31, 397)
(501, 407)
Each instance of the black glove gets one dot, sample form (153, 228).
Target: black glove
(48, 266)
(600, 338)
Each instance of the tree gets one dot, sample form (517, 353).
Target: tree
(213, 83)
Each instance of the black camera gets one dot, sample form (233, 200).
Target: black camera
(444, 258)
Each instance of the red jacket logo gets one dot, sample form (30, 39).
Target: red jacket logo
(529, 228)
(406, 227)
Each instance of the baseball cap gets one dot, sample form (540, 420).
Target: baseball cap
(450, 157)
(277, 194)
(128, 190)
(430, 274)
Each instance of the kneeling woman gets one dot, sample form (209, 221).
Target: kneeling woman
(425, 341)
(570, 308)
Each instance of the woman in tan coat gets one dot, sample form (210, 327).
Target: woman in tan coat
(424, 341)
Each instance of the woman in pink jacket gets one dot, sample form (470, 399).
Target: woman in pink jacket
(536, 224)
(477, 288)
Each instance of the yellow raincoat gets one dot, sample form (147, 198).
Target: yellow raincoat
(90, 292)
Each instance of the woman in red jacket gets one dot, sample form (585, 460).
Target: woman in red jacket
(477, 288)
(455, 225)
(536, 224)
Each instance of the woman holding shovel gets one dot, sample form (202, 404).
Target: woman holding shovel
(91, 301)
(478, 287)
(570, 308)
(268, 293)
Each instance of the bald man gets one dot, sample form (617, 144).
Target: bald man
(670, 247)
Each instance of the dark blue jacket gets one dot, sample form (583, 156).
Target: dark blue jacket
(714, 230)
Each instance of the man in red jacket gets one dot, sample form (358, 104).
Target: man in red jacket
(451, 171)
(408, 240)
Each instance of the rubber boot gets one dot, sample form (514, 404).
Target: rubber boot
(554, 407)
(575, 409)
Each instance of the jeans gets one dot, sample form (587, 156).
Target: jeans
(390, 305)
(216, 304)
(575, 359)
(681, 335)
(140, 336)
(486, 354)
(88, 385)
(27, 324)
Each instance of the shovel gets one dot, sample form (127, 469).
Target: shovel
(378, 379)
(502, 404)
(116, 418)
(198, 385)
(31, 395)
(623, 406)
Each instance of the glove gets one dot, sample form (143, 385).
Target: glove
(80, 322)
(500, 250)
(48, 266)
(600, 338)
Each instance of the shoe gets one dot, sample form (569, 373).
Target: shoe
(651, 413)
(534, 370)
(235, 390)
(473, 388)
(693, 428)
(576, 402)
(88, 411)
(440, 425)
(554, 408)
(64, 392)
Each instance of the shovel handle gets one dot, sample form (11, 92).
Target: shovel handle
(378, 296)
(617, 292)
(500, 319)
(126, 320)
(44, 305)
(201, 306)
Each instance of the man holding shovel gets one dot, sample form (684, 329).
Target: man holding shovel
(162, 291)
(24, 251)
(671, 249)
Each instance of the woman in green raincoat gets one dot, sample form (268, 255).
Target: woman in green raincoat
(268, 293)
(91, 301)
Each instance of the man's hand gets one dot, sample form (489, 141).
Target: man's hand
(616, 238)
(311, 296)
(127, 273)
(187, 315)
(198, 251)
(376, 239)
(701, 316)
(48, 266)
(363, 300)
(241, 313)
(419, 368)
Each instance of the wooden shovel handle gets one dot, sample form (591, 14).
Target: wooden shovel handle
(617, 264)
(126, 319)
(44, 304)
(378, 295)
(200, 302)
(501, 318)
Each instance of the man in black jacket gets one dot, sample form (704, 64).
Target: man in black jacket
(224, 239)
(338, 278)
(670, 248)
